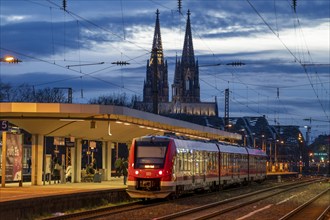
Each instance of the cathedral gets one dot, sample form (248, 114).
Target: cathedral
(185, 88)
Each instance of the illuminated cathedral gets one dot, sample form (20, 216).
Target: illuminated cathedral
(185, 88)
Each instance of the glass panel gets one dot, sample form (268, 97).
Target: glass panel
(150, 154)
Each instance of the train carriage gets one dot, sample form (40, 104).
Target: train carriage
(233, 164)
(160, 166)
(195, 165)
(257, 164)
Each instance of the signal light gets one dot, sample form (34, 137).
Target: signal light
(236, 63)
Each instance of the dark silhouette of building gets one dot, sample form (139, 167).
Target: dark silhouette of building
(186, 77)
(185, 88)
(162, 74)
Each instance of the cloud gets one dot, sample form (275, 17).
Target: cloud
(48, 40)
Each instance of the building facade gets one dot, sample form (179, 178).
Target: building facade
(185, 88)
(156, 67)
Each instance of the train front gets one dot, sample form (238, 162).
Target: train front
(150, 167)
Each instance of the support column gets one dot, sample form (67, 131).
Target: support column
(76, 154)
(108, 159)
(104, 163)
(37, 159)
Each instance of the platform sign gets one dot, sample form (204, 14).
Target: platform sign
(69, 142)
(14, 157)
(4, 125)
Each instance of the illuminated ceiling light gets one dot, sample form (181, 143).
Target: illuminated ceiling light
(142, 126)
(127, 123)
(119, 122)
(71, 119)
(92, 144)
(109, 129)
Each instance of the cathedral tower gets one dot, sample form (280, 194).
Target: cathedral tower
(161, 65)
(186, 87)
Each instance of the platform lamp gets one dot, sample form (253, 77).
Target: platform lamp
(92, 145)
(9, 59)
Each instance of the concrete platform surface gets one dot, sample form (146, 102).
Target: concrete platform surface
(12, 191)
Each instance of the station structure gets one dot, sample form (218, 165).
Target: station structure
(105, 123)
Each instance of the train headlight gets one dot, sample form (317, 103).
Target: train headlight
(136, 172)
(160, 172)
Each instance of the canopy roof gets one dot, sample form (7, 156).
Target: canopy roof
(100, 122)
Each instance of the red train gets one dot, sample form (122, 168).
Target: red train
(162, 166)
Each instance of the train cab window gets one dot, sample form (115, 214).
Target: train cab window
(150, 155)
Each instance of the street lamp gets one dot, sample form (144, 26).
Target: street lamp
(9, 59)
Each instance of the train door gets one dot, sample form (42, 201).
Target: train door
(193, 168)
(231, 161)
(236, 165)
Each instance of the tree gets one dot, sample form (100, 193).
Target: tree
(5, 89)
(27, 93)
(115, 99)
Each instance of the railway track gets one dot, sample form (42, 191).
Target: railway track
(314, 209)
(117, 209)
(152, 209)
(214, 210)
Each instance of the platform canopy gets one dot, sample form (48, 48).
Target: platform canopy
(100, 122)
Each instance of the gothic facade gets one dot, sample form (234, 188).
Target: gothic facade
(186, 77)
(185, 88)
(156, 61)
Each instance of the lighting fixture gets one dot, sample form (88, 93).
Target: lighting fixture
(71, 119)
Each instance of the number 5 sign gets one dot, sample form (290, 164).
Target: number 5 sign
(4, 125)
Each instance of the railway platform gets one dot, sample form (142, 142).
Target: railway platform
(280, 175)
(27, 202)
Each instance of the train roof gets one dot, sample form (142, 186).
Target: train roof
(188, 145)
(253, 151)
(226, 148)
(195, 145)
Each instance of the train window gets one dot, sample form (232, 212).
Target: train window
(224, 162)
(189, 161)
(214, 161)
(181, 162)
(150, 154)
(185, 161)
(203, 159)
(201, 162)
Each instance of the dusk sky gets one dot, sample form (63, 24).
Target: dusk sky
(286, 51)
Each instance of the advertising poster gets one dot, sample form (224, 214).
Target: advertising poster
(14, 153)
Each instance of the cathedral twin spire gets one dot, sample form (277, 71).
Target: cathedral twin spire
(156, 61)
(186, 77)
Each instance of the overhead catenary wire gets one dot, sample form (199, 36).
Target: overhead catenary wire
(122, 18)
(75, 16)
(292, 54)
(70, 78)
(235, 74)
